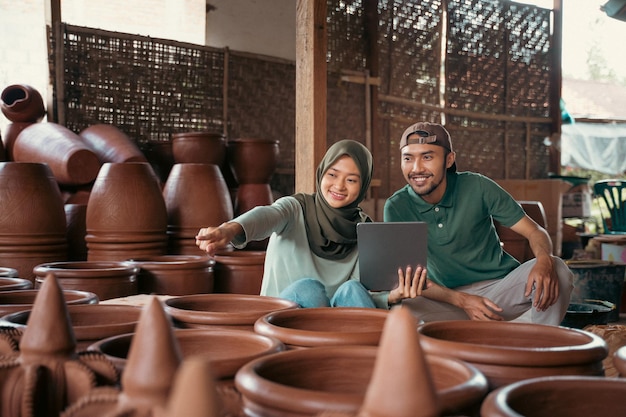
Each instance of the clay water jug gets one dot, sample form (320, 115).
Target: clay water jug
(32, 218)
(71, 161)
(22, 103)
(111, 144)
(195, 196)
(126, 214)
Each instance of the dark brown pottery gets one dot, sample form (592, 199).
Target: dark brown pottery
(10, 134)
(159, 153)
(195, 196)
(71, 161)
(306, 382)
(239, 271)
(227, 311)
(558, 396)
(506, 352)
(20, 300)
(199, 147)
(324, 326)
(111, 144)
(106, 279)
(126, 214)
(8, 272)
(619, 361)
(251, 195)
(91, 322)
(22, 103)
(32, 219)
(10, 284)
(175, 274)
(75, 218)
(253, 160)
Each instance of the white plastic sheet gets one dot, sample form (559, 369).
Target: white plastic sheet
(599, 147)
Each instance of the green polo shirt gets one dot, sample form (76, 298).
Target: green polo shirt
(463, 246)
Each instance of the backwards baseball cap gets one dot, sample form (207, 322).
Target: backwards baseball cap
(425, 133)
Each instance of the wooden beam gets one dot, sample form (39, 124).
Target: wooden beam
(556, 84)
(311, 45)
(56, 87)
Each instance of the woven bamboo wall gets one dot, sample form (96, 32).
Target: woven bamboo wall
(488, 57)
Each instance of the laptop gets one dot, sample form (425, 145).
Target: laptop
(385, 247)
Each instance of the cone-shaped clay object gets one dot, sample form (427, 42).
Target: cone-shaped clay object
(194, 393)
(49, 334)
(401, 384)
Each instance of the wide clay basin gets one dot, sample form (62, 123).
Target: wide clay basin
(306, 382)
(324, 326)
(507, 352)
(20, 300)
(13, 283)
(226, 311)
(558, 396)
(91, 322)
(228, 350)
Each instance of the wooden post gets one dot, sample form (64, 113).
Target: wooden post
(311, 45)
(556, 76)
(56, 86)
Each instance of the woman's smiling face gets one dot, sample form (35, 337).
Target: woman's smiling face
(341, 183)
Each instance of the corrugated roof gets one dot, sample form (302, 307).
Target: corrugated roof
(594, 99)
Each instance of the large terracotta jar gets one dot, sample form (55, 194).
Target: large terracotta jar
(239, 271)
(199, 147)
(106, 279)
(324, 326)
(227, 351)
(175, 274)
(506, 352)
(253, 160)
(90, 322)
(195, 196)
(22, 103)
(32, 219)
(71, 161)
(558, 396)
(20, 300)
(111, 144)
(126, 214)
(307, 382)
(223, 311)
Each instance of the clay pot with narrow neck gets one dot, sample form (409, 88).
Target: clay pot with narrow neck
(22, 103)
(71, 161)
(106, 279)
(239, 271)
(558, 396)
(175, 274)
(307, 382)
(324, 326)
(111, 144)
(199, 148)
(20, 300)
(225, 311)
(506, 352)
(32, 218)
(253, 160)
(195, 196)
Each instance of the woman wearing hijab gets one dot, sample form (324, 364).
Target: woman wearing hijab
(311, 256)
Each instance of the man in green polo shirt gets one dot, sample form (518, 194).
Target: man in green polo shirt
(474, 278)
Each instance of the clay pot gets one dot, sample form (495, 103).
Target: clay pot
(251, 195)
(226, 311)
(175, 274)
(619, 361)
(506, 352)
(239, 271)
(111, 144)
(161, 157)
(324, 326)
(253, 160)
(76, 220)
(8, 272)
(22, 103)
(20, 300)
(91, 322)
(199, 147)
(32, 219)
(105, 279)
(306, 382)
(10, 284)
(195, 196)
(126, 214)
(10, 134)
(71, 161)
(558, 396)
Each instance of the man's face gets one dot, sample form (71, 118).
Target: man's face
(424, 169)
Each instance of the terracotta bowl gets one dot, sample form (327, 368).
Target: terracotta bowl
(306, 382)
(324, 326)
(91, 322)
(11, 283)
(228, 311)
(8, 272)
(20, 300)
(558, 396)
(507, 352)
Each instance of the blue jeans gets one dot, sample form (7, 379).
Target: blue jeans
(310, 292)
